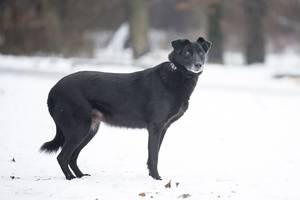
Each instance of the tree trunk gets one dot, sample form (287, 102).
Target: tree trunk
(215, 34)
(255, 41)
(138, 27)
(29, 27)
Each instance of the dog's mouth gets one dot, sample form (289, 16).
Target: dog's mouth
(195, 69)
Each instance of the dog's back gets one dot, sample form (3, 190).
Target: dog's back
(121, 98)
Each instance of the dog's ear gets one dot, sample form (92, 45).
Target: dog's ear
(204, 44)
(178, 45)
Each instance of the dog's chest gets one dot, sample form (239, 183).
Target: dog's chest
(178, 110)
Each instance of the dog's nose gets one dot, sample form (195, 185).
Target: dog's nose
(198, 65)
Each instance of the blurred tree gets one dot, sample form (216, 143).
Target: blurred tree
(55, 26)
(29, 26)
(283, 25)
(215, 32)
(199, 9)
(138, 27)
(75, 27)
(255, 41)
(81, 19)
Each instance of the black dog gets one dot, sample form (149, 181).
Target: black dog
(153, 99)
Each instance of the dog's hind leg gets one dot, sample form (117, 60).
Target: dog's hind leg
(92, 132)
(75, 154)
(75, 133)
(64, 157)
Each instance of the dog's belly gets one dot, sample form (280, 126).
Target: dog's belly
(127, 121)
(123, 116)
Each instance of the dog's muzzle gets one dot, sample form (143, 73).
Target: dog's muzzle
(196, 68)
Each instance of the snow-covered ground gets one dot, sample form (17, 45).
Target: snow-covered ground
(240, 139)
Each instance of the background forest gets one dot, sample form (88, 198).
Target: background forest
(78, 28)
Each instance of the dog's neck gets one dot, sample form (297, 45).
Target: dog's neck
(174, 66)
(176, 77)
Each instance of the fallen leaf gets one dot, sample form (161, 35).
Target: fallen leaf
(168, 185)
(177, 184)
(184, 196)
(143, 194)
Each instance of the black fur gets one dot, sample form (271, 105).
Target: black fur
(153, 99)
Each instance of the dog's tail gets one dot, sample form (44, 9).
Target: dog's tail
(53, 145)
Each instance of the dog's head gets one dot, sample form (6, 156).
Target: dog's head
(190, 55)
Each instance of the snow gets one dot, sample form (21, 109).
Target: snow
(239, 138)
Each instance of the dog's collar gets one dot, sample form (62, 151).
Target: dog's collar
(182, 69)
(173, 66)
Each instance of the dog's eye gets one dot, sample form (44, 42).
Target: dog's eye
(187, 53)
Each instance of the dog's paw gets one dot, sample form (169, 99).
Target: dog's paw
(85, 175)
(70, 177)
(155, 176)
(82, 175)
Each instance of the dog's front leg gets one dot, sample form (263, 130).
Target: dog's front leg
(153, 150)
